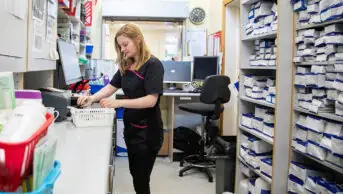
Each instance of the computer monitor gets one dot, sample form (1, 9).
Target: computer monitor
(68, 68)
(204, 66)
(177, 71)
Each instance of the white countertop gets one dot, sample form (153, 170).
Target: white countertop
(84, 154)
(169, 93)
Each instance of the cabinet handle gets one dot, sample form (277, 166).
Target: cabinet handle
(185, 98)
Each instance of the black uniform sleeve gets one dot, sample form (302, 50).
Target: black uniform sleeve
(153, 81)
(116, 80)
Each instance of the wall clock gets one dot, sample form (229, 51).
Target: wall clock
(197, 15)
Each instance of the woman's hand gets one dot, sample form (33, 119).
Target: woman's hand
(110, 103)
(85, 101)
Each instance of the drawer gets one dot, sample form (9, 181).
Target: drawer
(186, 99)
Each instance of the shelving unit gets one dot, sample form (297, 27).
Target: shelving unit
(257, 134)
(327, 115)
(262, 36)
(283, 84)
(259, 102)
(257, 172)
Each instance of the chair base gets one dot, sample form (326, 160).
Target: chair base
(197, 162)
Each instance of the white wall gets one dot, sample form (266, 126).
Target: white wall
(213, 21)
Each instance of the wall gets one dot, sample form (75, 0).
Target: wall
(213, 21)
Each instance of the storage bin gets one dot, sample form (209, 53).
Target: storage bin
(49, 182)
(93, 117)
(19, 158)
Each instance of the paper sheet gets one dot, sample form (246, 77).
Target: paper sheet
(52, 8)
(38, 36)
(38, 10)
(196, 40)
(50, 26)
(16, 8)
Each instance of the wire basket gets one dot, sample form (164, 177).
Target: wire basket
(93, 117)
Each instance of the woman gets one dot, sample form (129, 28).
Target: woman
(141, 77)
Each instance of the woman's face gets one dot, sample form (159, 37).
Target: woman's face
(127, 47)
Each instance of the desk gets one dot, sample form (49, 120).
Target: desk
(85, 156)
(172, 116)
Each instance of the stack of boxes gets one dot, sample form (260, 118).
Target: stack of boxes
(262, 121)
(257, 154)
(260, 88)
(262, 18)
(315, 45)
(265, 53)
(303, 179)
(319, 138)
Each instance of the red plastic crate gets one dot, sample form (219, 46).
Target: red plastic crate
(19, 158)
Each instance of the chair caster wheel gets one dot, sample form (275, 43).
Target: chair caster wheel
(181, 164)
(180, 174)
(210, 180)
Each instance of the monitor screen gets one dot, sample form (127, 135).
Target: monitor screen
(70, 62)
(177, 71)
(205, 66)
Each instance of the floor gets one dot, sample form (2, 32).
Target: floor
(164, 179)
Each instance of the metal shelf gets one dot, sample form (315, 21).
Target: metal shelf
(267, 179)
(319, 63)
(257, 134)
(324, 163)
(249, 2)
(260, 102)
(262, 36)
(319, 25)
(330, 116)
(260, 67)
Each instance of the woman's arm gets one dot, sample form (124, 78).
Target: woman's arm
(105, 92)
(147, 101)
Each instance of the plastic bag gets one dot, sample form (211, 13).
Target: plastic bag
(326, 142)
(300, 133)
(262, 186)
(244, 186)
(314, 136)
(337, 145)
(335, 159)
(260, 147)
(316, 124)
(315, 150)
(333, 128)
(295, 185)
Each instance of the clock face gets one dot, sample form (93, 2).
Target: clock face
(197, 15)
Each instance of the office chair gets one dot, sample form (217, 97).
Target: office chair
(215, 92)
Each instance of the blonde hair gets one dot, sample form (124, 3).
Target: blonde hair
(134, 33)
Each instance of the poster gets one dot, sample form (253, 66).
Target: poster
(38, 35)
(50, 26)
(38, 10)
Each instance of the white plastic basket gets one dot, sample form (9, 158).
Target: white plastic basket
(93, 117)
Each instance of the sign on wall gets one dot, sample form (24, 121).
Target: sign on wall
(89, 13)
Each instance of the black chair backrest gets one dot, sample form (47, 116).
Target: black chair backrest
(215, 88)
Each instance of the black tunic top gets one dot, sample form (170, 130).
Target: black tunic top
(142, 125)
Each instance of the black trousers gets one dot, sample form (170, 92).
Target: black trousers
(141, 163)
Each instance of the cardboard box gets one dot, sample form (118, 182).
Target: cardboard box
(165, 146)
